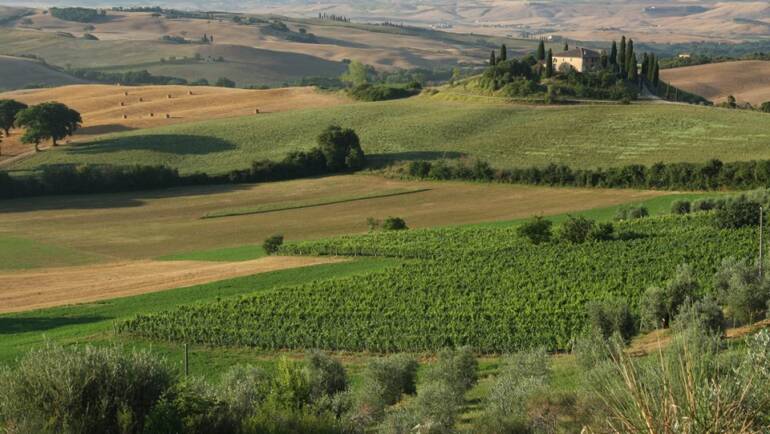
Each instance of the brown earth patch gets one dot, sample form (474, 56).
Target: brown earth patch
(29, 290)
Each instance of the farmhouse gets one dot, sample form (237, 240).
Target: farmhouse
(579, 59)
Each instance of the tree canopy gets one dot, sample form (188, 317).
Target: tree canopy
(50, 120)
(9, 108)
(341, 148)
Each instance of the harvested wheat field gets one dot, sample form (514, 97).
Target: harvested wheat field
(28, 290)
(108, 109)
(747, 81)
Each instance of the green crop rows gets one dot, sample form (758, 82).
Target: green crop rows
(482, 287)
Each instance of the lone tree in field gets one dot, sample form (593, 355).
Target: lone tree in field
(341, 148)
(541, 51)
(272, 244)
(50, 120)
(8, 110)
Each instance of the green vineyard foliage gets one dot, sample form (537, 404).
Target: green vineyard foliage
(483, 287)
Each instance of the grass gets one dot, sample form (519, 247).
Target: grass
(228, 254)
(144, 225)
(21, 254)
(93, 322)
(428, 128)
(284, 206)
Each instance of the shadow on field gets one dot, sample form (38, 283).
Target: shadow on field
(10, 325)
(378, 161)
(179, 144)
(104, 129)
(113, 200)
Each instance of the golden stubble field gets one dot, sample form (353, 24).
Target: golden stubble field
(747, 81)
(108, 109)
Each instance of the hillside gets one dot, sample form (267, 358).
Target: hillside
(103, 107)
(18, 73)
(747, 81)
(255, 50)
(428, 128)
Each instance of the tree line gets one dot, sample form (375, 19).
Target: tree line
(711, 175)
(338, 150)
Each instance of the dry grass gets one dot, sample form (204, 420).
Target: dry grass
(50, 287)
(103, 107)
(747, 81)
(144, 225)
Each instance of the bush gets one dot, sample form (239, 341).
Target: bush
(537, 231)
(457, 368)
(191, 407)
(612, 316)
(680, 207)
(577, 229)
(390, 378)
(737, 214)
(739, 287)
(243, 389)
(273, 244)
(659, 306)
(381, 92)
(704, 314)
(703, 205)
(632, 213)
(765, 107)
(394, 224)
(437, 406)
(602, 232)
(82, 390)
(327, 376)
(225, 82)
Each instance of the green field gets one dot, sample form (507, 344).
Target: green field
(582, 136)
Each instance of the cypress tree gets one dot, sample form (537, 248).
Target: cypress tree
(549, 64)
(645, 66)
(492, 59)
(614, 53)
(633, 73)
(651, 70)
(566, 45)
(656, 74)
(541, 50)
(622, 56)
(503, 53)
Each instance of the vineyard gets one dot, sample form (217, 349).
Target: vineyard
(483, 287)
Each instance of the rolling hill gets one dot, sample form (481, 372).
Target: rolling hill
(747, 81)
(430, 128)
(103, 107)
(20, 73)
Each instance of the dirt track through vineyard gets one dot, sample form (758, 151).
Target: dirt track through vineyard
(30, 290)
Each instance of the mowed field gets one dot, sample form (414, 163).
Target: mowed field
(107, 109)
(506, 135)
(747, 81)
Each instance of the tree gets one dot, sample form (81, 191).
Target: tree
(566, 45)
(492, 59)
(356, 75)
(537, 230)
(272, 244)
(341, 148)
(8, 110)
(549, 64)
(656, 74)
(503, 53)
(765, 107)
(614, 54)
(225, 82)
(621, 61)
(50, 120)
(633, 73)
(394, 224)
(541, 50)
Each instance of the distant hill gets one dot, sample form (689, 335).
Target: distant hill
(747, 81)
(18, 73)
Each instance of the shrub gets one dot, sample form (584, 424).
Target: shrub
(327, 376)
(391, 377)
(272, 244)
(602, 232)
(394, 224)
(765, 107)
(243, 389)
(739, 287)
(82, 390)
(191, 406)
(631, 213)
(737, 213)
(704, 205)
(576, 229)
(399, 421)
(704, 314)
(437, 406)
(659, 306)
(680, 207)
(612, 316)
(538, 230)
(224, 82)
(457, 368)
